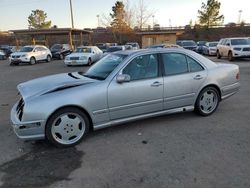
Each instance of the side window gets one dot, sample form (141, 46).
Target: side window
(142, 67)
(174, 63)
(194, 66)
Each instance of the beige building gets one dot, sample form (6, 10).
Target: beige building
(152, 37)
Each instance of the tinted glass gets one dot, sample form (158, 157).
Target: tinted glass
(194, 66)
(175, 63)
(142, 67)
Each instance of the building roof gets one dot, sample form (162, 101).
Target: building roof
(51, 31)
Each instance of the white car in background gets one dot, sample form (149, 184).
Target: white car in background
(135, 45)
(233, 48)
(31, 54)
(84, 55)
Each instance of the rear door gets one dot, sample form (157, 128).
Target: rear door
(183, 76)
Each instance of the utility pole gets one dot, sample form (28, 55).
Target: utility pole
(71, 12)
(153, 20)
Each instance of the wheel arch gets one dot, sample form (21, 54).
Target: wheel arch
(211, 85)
(72, 106)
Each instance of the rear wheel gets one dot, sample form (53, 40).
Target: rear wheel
(230, 56)
(67, 127)
(218, 54)
(32, 61)
(207, 101)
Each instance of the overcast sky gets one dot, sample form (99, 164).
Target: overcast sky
(14, 13)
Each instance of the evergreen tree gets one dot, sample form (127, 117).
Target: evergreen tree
(37, 19)
(210, 13)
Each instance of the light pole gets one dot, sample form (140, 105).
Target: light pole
(239, 18)
(98, 20)
(153, 20)
(71, 12)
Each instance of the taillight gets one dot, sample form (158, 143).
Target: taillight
(238, 76)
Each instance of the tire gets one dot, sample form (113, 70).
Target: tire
(90, 62)
(207, 101)
(32, 61)
(61, 56)
(67, 127)
(218, 54)
(48, 59)
(230, 56)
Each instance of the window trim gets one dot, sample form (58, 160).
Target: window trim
(189, 72)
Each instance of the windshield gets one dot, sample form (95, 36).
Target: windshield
(213, 44)
(201, 43)
(114, 49)
(26, 49)
(102, 69)
(56, 47)
(240, 42)
(188, 43)
(83, 50)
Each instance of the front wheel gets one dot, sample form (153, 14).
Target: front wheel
(48, 59)
(32, 60)
(89, 62)
(207, 101)
(230, 56)
(67, 127)
(218, 55)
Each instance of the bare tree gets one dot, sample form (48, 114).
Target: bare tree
(129, 14)
(143, 14)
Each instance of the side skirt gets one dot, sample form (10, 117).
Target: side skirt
(143, 116)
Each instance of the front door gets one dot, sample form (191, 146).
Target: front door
(142, 94)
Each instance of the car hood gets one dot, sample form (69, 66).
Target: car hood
(51, 83)
(79, 54)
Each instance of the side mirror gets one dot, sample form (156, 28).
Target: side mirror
(123, 78)
(228, 44)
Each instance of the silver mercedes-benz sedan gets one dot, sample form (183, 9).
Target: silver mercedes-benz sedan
(121, 87)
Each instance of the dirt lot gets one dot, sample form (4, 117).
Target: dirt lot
(181, 150)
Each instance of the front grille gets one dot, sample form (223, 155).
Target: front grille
(74, 58)
(15, 56)
(19, 109)
(246, 49)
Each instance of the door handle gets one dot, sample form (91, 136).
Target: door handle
(198, 77)
(156, 84)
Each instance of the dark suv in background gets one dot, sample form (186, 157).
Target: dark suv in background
(59, 51)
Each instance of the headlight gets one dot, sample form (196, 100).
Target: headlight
(67, 58)
(25, 55)
(237, 49)
(83, 58)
